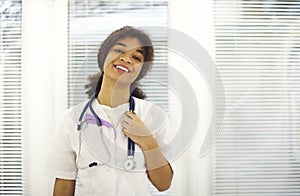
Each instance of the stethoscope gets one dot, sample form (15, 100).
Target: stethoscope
(129, 163)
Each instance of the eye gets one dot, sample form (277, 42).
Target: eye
(118, 50)
(137, 58)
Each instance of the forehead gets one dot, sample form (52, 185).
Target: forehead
(129, 43)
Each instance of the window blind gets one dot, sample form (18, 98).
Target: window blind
(11, 125)
(257, 54)
(90, 22)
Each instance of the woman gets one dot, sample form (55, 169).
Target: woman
(128, 155)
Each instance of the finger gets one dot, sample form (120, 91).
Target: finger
(127, 120)
(130, 115)
(125, 126)
(127, 133)
(134, 117)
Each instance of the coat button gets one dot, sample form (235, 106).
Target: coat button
(110, 170)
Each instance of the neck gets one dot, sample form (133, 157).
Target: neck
(113, 94)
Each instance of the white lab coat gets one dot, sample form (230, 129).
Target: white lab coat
(109, 177)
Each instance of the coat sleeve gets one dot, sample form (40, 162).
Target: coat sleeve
(61, 161)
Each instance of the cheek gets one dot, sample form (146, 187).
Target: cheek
(138, 70)
(106, 62)
(109, 58)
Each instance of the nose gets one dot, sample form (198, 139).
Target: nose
(125, 58)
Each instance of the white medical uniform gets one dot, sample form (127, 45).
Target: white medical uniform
(110, 179)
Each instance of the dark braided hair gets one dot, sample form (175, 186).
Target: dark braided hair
(95, 81)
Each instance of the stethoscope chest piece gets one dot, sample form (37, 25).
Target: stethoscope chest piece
(129, 164)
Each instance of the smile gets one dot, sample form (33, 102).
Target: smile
(122, 68)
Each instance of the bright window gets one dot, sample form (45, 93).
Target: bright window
(257, 53)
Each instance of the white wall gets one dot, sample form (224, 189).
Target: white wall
(45, 78)
(195, 19)
(44, 46)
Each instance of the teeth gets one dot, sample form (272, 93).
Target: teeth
(122, 68)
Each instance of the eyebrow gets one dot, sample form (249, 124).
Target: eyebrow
(122, 44)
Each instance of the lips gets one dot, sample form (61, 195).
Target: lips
(122, 68)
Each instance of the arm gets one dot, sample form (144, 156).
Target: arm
(159, 170)
(64, 187)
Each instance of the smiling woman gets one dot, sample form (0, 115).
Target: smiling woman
(111, 142)
(91, 21)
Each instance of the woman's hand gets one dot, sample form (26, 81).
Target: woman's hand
(137, 131)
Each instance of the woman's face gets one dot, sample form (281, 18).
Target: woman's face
(124, 60)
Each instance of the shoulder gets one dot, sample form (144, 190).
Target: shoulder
(142, 102)
(72, 114)
(67, 124)
(152, 114)
(146, 105)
